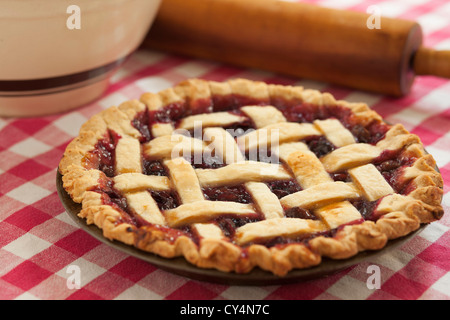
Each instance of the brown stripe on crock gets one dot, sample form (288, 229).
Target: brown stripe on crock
(9, 87)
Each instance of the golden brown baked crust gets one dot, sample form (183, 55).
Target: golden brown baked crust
(396, 214)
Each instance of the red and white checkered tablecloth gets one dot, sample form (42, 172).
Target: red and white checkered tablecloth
(39, 241)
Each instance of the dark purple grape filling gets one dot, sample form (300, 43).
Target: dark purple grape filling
(391, 165)
(233, 194)
(117, 199)
(341, 176)
(170, 113)
(388, 170)
(203, 161)
(377, 131)
(370, 134)
(365, 207)
(303, 112)
(361, 134)
(282, 188)
(103, 157)
(107, 163)
(299, 213)
(229, 223)
(141, 123)
(153, 168)
(319, 145)
(166, 200)
(224, 103)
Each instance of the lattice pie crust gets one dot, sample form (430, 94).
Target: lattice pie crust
(358, 182)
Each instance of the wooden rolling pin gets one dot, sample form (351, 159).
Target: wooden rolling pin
(299, 40)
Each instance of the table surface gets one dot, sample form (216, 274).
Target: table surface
(40, 244)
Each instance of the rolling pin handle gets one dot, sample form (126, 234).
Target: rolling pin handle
(432, 62)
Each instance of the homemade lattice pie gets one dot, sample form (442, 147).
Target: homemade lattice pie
(243, 174)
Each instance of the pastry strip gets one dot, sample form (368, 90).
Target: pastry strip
(129, 182)
(143, 204)
(208, 231)
(350, 156)
(241, 172)
(310, 173)
(337, 214)
(183, 177)
(162, 129)
(276, 134)
(202, 211)
(217, 119)
(128, 156)
(266, 201)
(223, 145)
(335, 132)
(306, 167)
(278, 227)
(320, 195)
(370, 181)
(173, 146)
(263, 116)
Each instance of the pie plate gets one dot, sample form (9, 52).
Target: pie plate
(257, 277)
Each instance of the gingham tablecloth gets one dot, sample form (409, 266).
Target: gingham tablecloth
(39, 242)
